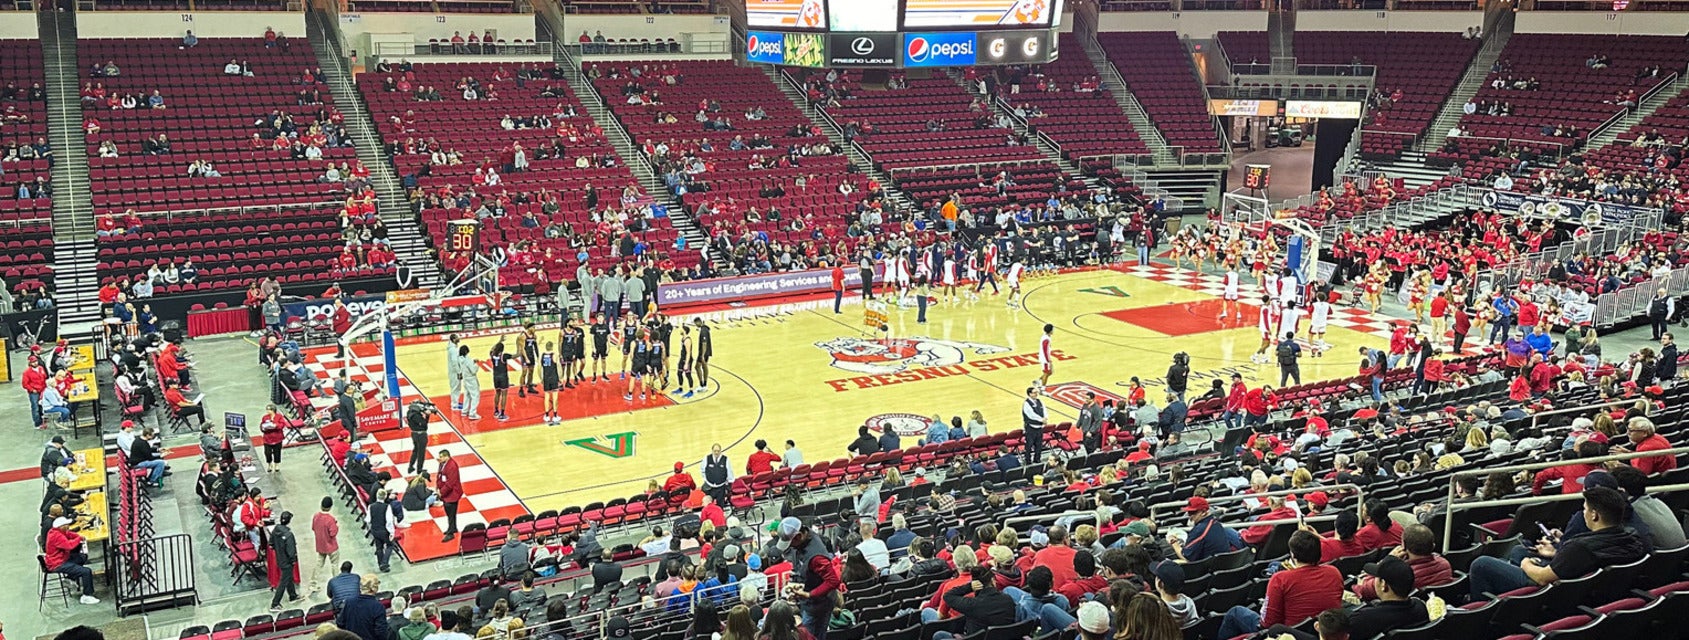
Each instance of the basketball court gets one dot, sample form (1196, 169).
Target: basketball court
(798, 371)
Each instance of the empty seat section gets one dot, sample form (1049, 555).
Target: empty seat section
(726, 187)
(554, 132)
(26, 223)
(224, 119)
(1159, 73)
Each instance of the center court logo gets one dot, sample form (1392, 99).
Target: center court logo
(875, 357)
(905, 425)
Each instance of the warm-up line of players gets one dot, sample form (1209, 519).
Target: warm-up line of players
(951, 267)
(1285, 302)
(649, 346)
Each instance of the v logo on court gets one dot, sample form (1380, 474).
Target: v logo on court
(621, 444)
(1110, 291)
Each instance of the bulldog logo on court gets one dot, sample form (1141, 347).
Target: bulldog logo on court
(892, 355)
(905, 425)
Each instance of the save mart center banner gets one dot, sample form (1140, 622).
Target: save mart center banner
(1571, 210)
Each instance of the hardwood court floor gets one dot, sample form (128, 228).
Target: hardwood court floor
(800, 372)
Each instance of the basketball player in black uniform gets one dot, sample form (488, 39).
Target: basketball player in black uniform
(530, 360)
(656, 366)
(600, 347)
(661, 334)
(630, 335)
(572, 353)
(501, 379)
(639, 354)
(701, 360)
(552, 382)
(683, 371)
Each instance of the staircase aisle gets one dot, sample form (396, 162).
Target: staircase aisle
(1116, 86)
(858, 159)
(75, 281)
(632, 157)
(1020, 126)
(1609, 135)
(404, 229)
(1470, 83)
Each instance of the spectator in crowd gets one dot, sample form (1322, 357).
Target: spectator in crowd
(67, 553)
(1300, 590)
(1607, 543)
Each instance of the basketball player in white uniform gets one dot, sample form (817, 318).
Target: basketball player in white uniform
(1015, 271)
(950, 275)
(1288, 288)
(1269, 286)
(1316, 325)
(1230, 296)
(1290, 319)
(1268, 323)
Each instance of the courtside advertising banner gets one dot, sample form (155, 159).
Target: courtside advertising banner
(767, 47)
(757, 286)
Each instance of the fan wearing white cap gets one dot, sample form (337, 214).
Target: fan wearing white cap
(67, 553)
(1093, 621)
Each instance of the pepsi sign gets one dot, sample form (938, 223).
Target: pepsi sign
(939, 49)
(766, 47)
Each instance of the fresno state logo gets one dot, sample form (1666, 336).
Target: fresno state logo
(891, 355)
(905, 425)
(1073, 394)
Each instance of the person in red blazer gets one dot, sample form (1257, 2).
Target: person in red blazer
(451, 491)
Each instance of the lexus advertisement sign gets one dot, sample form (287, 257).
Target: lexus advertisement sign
(862, 50)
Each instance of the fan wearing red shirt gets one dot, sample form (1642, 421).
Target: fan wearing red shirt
(1380, 531)
(1058, 557)
(838, 288)
(271, 428)
(762, 460)
(1342, 543)
(1256, 403)
(1087, 581)
(681, 483)
(35, 383)
(1234, 402)
(341, 323)
(1643, 437)
(451, 491)
(66, 554)
(1302, 589)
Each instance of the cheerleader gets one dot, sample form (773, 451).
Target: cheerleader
(1419, 286)
(1267, 322)
(1372, 286)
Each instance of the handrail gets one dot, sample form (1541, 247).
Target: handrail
(1076, 513)
(1535, 419)
(1669, 82)
(1360, 493)
(1452, 506)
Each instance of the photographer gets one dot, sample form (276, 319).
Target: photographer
(416, 419)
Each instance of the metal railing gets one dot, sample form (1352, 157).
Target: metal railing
(1360, 502)
(1618, 305)
(154, 573)
(170, 215)
(500, 48)
(1264, 69)
(1448, 524)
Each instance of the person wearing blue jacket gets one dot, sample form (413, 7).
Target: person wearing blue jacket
(364, 615)
(1505, 315)
(1207, 537)
(1540, 342)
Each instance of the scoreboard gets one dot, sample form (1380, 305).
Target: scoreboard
(901, 33)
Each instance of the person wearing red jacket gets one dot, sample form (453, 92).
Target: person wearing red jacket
(1643, 437)
(762, 460)
(271, 429)
(451, 491)
(1233, 413)
(814, 577)
(66, 553)
(1087, 582)
(1278, 510)
(1462, 325)
(1569, 475)
(681, 483)
(34, 383)
(341, 323)
(838, 288)
(1256, 403)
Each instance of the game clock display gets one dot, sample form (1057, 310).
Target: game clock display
(465, 236)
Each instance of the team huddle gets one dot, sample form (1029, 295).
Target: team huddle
(646, 347)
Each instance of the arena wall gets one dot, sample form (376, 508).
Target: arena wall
(165, 24)
(439, 26)
(16, 25)
(637, 27)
